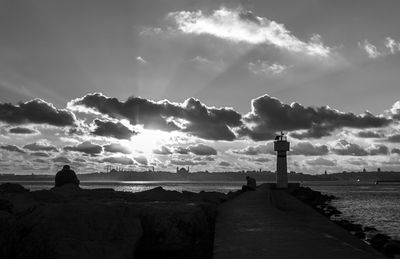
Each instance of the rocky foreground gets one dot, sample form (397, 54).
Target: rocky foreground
(70, 222)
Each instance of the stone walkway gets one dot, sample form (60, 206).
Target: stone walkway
(272, 224)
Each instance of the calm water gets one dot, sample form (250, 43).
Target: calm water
(367, 204)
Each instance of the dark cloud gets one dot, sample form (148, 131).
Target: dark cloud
(141, 160)
(308, 149)
(199, 120)
(320, 162)
(162, 151)
(261, 159)
(118, 160)
(12, 148)
(85, 147)
(41, 161)
(185, 162)
(379, 150)
(269, 115)
(111, 129)
(39, 147)
(224, 163)
(369, 134)
(61, 159)
(80, 160)
(394, 138)
(41, 154)
(202, 150)
(22, 130)
(395, 151)
(35, 111)
(357, 162)
(181, 150)
(345, 148)
(256, 150)
(116, 148)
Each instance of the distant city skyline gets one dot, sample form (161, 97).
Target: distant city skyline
(205, 84)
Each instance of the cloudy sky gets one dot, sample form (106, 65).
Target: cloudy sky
(205, 84)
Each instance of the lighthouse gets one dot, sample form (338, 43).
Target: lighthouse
(281, 146)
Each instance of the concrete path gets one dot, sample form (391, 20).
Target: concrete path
(273, 224)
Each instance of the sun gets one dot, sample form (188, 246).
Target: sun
(148, 140)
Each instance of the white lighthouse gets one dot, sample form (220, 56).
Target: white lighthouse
(281, 146)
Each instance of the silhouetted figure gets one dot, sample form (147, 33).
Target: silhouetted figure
(66, 176)
(251, 184)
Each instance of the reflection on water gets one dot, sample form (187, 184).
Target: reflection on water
(137, 186)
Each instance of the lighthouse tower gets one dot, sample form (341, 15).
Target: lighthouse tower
(281, 146)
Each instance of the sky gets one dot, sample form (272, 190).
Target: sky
(205, 84)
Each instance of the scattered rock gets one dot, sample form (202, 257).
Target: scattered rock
(360, 235)
(349, 226)
(378, 241)
(392, 248)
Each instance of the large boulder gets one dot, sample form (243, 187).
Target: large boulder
(157, 194)
(12, 188)
(378, 241)
(80, 230)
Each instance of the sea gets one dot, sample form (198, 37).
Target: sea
(364, 203)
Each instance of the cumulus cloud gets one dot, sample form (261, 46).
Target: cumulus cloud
(394, 138)
(118, 160)
(185, 162)
(394, 112)
(191, 116)
(40, 147)
(40, 154)
(265, 68)
(141, 160)
(162, 151)
(345, 148)
(255, 150)
(62, 160)
(379, 150)
(395, 151)
(12, 148)
(370, 49)
(320, 162)
(239, 25)
(392, 45)
(22, 130)
(308, 149)
(35, 111)
(181, 150)
(85, 147)
(202, 150)
(111, 129)
(224, 163)
(116, 148)
(268, 115)
(141, 60)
